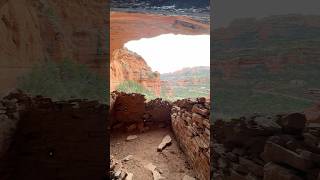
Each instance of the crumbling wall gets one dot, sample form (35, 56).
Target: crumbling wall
(55, 140)
(132, 110)
(158, 110)
(128, 108)
(281, 147)
(8, 121)
(190, 123)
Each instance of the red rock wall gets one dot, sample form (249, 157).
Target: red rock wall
(133, 26)
(35, 30)
(126, 65)
(190, 124)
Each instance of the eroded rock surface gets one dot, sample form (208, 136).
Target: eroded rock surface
(266, 147)
(33, 31)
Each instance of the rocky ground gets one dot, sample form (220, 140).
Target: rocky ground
(136, 155)
(282, 147)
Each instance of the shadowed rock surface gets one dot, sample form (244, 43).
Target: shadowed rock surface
(52, 140)
(266, 147)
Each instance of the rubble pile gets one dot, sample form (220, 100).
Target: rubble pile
(280, 147)
(191, 126)
(117, 172)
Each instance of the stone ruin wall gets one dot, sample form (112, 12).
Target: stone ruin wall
(45, 139)
(191, 126)
(260, 147)
(128, 109)
(188, 119)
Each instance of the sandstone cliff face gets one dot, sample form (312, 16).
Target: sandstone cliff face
(125, 27)
(35, 30)
(127, 65)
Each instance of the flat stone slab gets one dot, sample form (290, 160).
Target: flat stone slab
(155, 173)
(150, 167)
(131, 137)
(278, 154)
(165, 141)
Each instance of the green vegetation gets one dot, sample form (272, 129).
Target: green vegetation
(286, 37)
(152, 74)
(64, 80)
(256, 90)
(50, 13)
(134, 87)
(196, 82)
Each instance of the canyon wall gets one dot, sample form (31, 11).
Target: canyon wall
(52, 140)
(33, 31)
(249, 42)
(280, 147)
(126, 65)
(191, 126)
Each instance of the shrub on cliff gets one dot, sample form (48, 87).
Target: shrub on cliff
(64, 80)
(134, 87)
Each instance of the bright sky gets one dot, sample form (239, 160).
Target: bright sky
(169, 52)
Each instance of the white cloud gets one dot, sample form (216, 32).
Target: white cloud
(169, 52)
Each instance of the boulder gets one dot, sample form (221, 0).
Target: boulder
(254, 168)
(293, 123)
(131, 137)
(274, 171)
(278, 154)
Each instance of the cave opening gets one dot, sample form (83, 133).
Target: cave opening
(163, 135)
(183, 62)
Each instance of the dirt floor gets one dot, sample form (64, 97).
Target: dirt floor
(171, 162)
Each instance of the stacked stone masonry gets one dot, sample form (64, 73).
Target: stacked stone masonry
(128, 109)
(260, 147)
(45, 139)
(191, 126)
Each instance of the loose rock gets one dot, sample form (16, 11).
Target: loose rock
(165, 141)
(132, 137)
